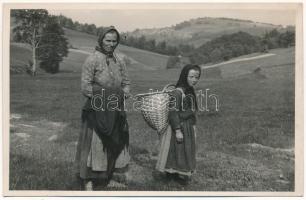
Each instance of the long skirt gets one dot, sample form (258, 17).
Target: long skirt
(91, 160)
(177, 157)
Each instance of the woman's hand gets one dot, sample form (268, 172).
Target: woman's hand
(179, 135)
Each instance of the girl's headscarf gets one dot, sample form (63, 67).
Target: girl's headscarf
(101, 37)
(182, 82)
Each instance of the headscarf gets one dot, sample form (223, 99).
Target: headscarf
(100, 41)
(183, 83)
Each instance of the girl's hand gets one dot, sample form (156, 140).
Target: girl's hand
(179, 135)
(126, 91)
(195, 131)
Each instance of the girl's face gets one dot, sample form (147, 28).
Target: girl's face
(193, 77)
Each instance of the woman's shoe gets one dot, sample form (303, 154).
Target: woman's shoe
(88, 186)
(183, 179)
(157, 175)
(171, 176)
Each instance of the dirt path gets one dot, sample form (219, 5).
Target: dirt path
(238, 60)
(80, 51)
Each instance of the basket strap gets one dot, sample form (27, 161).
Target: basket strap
(181, 90)
(167, 86)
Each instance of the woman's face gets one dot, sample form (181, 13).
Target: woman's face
(109, 42)
(193, 77)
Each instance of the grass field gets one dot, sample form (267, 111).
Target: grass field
(247, 146)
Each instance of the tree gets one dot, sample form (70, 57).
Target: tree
(196, 58)
(172, 61)
(171, 50)
(286, 39)
(185, 48)
(77, 26)
(272, 39)
(226, 54)
(54, 46)
(151, 44)
(141, 42)
(66, 22)
(161, 47)
(92, 29)
(30, 24)
(216, 55)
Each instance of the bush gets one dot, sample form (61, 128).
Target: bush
(226, 47)
(54, 46)
(172, 62)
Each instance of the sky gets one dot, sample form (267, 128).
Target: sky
(131, 19)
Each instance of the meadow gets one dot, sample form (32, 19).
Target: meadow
(248, 145)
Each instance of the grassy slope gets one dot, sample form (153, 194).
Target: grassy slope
(144, 59)
(19, 53)
(283, 56)
(254, 111)
(19, 57)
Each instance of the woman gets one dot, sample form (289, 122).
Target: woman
(177, 154)
(103, 141)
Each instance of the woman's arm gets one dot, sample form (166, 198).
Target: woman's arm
(125, 78)
(88, 76)
(195, 131)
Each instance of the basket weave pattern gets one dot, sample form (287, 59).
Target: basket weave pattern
(155, 109)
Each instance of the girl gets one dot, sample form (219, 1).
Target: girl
(177, 154)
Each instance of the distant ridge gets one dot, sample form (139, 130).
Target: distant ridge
(201, 30)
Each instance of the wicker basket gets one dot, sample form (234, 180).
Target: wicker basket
(155, 108)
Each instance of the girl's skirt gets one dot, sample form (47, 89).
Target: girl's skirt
(177, 157)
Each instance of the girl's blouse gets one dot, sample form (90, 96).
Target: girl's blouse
(181, 108)
(109, 72)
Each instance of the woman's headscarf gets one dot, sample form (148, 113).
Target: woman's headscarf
(183, 83)
(101, 37)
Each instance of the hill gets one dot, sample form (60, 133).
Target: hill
(201, 30)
